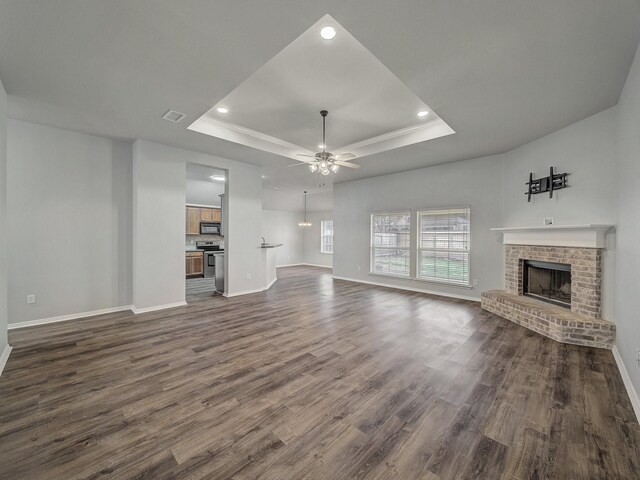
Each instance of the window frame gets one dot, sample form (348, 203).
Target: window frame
(418, 249)
(322, 235)
(372, 247)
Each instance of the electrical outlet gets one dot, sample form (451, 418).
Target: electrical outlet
(548, 221)
(475, 282)
(31, 299)
(359, 269)
(248, 276)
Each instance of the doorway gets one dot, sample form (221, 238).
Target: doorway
(204, 231)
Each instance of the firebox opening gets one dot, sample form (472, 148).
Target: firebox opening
(547, 281)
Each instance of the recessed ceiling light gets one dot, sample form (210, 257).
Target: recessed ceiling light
(328, 33)
(423, 113)
(217, 178)
(222, 110)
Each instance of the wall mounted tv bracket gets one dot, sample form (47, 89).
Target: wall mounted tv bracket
(555, 181)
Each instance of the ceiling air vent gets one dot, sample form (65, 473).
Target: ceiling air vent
(173, 116)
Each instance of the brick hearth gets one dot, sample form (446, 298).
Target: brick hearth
(549, 320)
(582, 324)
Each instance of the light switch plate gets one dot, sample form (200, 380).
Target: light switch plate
(548, 220)
(31, 299)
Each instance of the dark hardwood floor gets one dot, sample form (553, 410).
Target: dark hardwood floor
(314, 378)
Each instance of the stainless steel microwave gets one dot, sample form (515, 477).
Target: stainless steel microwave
(210, 228)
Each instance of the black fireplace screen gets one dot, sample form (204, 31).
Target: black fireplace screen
(547, 281)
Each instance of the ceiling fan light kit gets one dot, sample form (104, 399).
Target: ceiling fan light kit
(325, 162)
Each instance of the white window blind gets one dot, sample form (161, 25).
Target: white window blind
(443, 245)
(390, 239)
(326, 236)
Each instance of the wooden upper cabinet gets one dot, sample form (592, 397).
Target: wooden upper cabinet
(195, 215)
(193, 221)
(206, 214)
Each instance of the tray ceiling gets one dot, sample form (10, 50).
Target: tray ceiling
(277, 108)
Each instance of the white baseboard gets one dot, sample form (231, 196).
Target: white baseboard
(245, 292)
(410, 289)
(138, 311)
(248, 292)
(64, 318)
(631, 391)
(5, 356)
(304, 265)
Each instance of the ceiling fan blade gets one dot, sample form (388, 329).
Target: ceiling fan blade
(305, 155)
(344, 156)
(307, 161)
(303, 162)
(345, 164)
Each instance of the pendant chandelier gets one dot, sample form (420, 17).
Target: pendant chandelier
(305, 223)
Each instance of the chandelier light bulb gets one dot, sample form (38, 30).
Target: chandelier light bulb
(334, 168)
(325, 171)
(305, 223)
(313, 168)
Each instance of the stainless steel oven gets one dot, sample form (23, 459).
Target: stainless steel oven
(209, 264)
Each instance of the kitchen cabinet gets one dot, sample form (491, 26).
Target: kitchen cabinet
(194, 264)
(195, 215)
(193, 221)
(206, 214)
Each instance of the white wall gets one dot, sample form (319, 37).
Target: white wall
(587, 150)
(627, 300)
(311, 240)
(201, 192)
(244, 263)
(476, 183)
(158, 228)
(3, 219)
(69, 222)
(282, 227)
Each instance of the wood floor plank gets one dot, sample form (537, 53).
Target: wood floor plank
(313, 379)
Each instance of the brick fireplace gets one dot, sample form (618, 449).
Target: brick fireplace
(575, 249)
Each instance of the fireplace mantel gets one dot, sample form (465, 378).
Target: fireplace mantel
(585, 236)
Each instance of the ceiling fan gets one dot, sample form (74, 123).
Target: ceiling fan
(326, 162)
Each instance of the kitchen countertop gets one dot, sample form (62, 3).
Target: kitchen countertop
(190, 250)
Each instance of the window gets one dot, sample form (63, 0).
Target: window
(326, 236)
(390, 237)
(443, 245)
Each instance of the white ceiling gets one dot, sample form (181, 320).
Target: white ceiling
(277, 109)
(203, 173)
(201, 190)
(500, 72)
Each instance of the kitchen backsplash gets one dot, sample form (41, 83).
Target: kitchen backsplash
(192, 239)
